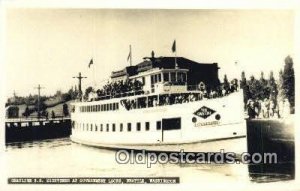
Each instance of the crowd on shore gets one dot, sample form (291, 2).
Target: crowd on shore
(268, 108)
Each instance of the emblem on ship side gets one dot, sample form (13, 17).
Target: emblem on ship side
(204, 112)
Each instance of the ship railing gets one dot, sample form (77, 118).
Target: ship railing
(193, 88)
(120, 95)
(190, 89)
(32, 119)
(139, 92)
(170, 99)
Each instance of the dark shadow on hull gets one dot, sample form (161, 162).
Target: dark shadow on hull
(271, 136)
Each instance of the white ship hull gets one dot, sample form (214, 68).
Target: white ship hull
(208, 125)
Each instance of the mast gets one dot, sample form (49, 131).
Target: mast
(39, 94)
(130, 53)
(79, 77)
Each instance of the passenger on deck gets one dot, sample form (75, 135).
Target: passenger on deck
(121, 88)
(155, 102)
(167, 100)
(234, 85)
(132, 104)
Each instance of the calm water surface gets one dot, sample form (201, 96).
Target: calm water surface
(63, 158)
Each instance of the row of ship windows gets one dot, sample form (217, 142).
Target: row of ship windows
(169, 77)
(102, 107)
(112, 128)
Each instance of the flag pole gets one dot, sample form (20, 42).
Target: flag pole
(94, 73)
(176, 66)
(175, 52)
(130, 55)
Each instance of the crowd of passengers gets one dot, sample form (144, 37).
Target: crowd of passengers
(120, 88)
(178, 98)
(129, 87)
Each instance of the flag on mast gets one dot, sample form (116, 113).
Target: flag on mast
(174, 50)
(91, 62)
(174, 46)
(130, 55)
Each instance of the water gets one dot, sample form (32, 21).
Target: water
(63, 158)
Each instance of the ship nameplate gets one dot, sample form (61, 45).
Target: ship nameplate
(204, 112)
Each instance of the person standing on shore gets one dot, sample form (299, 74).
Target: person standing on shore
(286, 108)
(251, 109)
(52, 114)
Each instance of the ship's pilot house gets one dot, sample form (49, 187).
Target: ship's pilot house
(163, 80)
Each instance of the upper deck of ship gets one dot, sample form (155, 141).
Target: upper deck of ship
(159, 75)
(157, 82)
(197, 72)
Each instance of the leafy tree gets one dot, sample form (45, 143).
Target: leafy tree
(281, 95)
(226, 84)
(263, 91)
(245, 87)
(42, 105)
(73, 93)
(288, 78)
(272, 87)
(26, 112)
(66, 97)
(88, 91)
(58, 94)
(254, 88)
(243, 81)
(65, 110)
(262, 80)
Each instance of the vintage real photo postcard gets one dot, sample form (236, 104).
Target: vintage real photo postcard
(105, 98)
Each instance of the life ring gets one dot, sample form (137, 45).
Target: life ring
(201, 86)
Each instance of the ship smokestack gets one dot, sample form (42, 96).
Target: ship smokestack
(152, 54)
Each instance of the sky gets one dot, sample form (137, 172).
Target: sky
(51, 46)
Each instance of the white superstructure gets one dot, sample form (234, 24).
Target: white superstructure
(168, 116)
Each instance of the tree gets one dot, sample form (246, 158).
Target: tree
(88, 91)
(281, 95)
(26, 112)
(58, 94)
(40, 107)
(262, 80)
(73, 93)
(65, 110)
(243, 81)
(264, 91)
(288, 85)
(245, 87)
(65, 97)
(254, 88)
(226, 84)
(272, 87)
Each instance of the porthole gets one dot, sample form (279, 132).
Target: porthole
(218, 117)
(194, 119)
